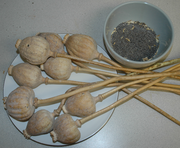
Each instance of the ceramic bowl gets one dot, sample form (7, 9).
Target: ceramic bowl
(149, 14)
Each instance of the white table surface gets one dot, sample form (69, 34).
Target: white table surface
(133, 124)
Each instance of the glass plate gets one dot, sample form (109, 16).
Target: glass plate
(45, 91)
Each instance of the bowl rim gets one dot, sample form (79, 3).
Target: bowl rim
(139, 62)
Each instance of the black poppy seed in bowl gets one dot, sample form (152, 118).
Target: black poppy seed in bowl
(135, 41)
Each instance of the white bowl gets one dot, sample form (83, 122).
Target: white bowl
(149, 14)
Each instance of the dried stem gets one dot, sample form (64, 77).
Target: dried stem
(108, 93)
(160, 65)
(158, 85)
(84, 66)
(59, 109)
(165, 85)
(103, 58)
(176, 91)
(52, 81)
(175, 77)
(78, 69)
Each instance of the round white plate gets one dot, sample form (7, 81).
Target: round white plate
(46, 91)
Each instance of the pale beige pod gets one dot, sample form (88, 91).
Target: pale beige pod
(40, 123)
(34, 49)
(65, 130)
(85, 47)
(58, 68)
(19, 103)
(81, 104)
(61, 68)
(54, 40)
(82, 46)
(26, 74)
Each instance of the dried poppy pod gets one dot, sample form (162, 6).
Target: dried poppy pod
(58, 68)
(65, 130)
(40, 123)
(84, 104)
(54, 40)
(26, 74)
(34, 50)
(84, 47)
(61, 68)
(19, 103)
(81, 104)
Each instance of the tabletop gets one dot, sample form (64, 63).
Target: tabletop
(133, 124)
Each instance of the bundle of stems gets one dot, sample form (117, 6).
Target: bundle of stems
(168, 87)
(131, 94)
